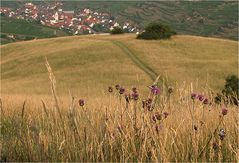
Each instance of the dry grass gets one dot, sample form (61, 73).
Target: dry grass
(90, 63)
(112, 130)
(37, 126)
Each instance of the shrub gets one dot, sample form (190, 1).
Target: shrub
(230, 90)
(156, 31)
(231, 86)
(117, 30)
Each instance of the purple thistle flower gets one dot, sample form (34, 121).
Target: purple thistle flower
(81, 102)
(222, 134)
(165, 114)
(200, 97)
(155, 90)
(205, 101)
(224, 111)
(121, 90)
(110, 89)
(157, 117)
(117, 86)
(193, 95)
(135, 96)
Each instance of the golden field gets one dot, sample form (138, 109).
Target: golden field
(94, 62)
(42, 120)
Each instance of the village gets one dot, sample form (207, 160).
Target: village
(77, 22)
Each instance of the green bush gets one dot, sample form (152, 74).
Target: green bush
(231, 86)
(117, 30)
(156, 31)
(230, 91)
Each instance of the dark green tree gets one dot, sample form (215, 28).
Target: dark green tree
(117, 30)
(156, 31)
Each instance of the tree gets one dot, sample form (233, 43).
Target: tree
(117, 30)
(156, 31)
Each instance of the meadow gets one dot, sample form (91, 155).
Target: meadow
(116, 99)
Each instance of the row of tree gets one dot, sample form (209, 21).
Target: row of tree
(153, 31)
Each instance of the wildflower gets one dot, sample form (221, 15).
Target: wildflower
(155, 90)
(117, 86)
(110, 89)
(165, 114)
(222, 134)
(135, 96)
(193, 95)
(224, 111)
(81, 102)
(134, 90)
(170, 90)
(205, 101)
(121, 90)
(157, 117)
(200, 97)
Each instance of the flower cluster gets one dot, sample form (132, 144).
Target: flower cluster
(200, 98)
(134, 95)
(158, 116)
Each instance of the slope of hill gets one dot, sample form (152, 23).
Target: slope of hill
(88, 64)
(24, 30)
(204, 18)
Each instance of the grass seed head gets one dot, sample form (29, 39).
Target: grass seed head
(110, 89)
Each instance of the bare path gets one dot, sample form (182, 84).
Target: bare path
(148, 70)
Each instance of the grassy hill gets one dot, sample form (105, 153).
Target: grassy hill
(24, 30)
(89, 64)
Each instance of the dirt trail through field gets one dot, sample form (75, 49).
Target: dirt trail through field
(149, 71)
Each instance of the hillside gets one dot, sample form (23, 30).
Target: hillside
(203, 18)
(89, 64)
(25, 30)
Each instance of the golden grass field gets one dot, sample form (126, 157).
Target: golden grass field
(94, 62)
(41, 120)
